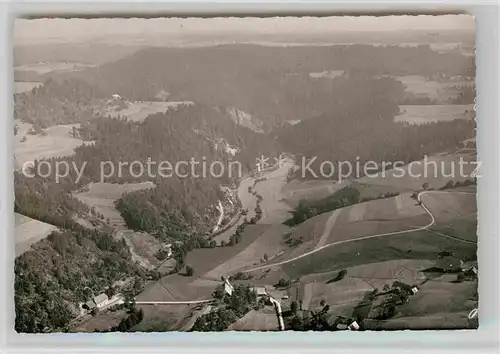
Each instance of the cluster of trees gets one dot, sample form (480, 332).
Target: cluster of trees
(315, 321)
(396, 294)
(58, 102)
(344, 197)
(258, 210)
(46, 201)
(191, 242)
(134, 317)
(70, 265)
(70, 262)
(369, 106)
(66, 268)
(275, 85)
(236, 237)
(283, 283)
(177, 205)
(234, 306)
(340, 275)
(189, 271)
(378, 143)
(455, 184)
(307, 209)
(291, 240)
(240, 276)
(410, 98)
(216, 321)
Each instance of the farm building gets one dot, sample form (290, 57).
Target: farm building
(101, 300)
(354, 326)
(90, 304)
(116, 96)
(449, 264)
(260, 290)
(228, 289)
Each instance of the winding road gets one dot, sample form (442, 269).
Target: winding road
(321, 247)
(419, 197)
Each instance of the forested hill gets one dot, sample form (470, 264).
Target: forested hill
(362, 127)
(271, 83)
(182, 201)
(188, 131)
(58, 102)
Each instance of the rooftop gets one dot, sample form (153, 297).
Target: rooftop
(260, 290)
(100, 298)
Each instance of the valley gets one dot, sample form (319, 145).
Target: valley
(179, 240)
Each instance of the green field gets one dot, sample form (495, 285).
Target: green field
(29, 231)
(415, 245)
(421, 114)
(443, 91)
(23, 86)
(138, 111)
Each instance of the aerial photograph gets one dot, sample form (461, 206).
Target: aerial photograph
(245, 174)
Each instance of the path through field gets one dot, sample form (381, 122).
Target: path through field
(431, 223)
(102, 197)
(328, 228)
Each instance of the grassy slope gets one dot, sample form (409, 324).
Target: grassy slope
(415, 245)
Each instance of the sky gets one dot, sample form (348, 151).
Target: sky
(50, 30)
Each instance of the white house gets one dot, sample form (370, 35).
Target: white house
(101, 300)
(116, 96)
(228, 289)
(414, 290)
(354, 326)
(90, 304)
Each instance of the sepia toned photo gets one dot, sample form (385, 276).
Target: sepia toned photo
(245, 174)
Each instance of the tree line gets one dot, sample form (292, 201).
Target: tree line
(68, 267)
(361, 128)
(275, 85)
(232, 307)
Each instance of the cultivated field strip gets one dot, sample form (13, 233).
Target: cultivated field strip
(330, 223)
(357, 212)
(426, 227)
(29, 231)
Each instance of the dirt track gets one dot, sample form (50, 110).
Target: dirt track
(432, 221)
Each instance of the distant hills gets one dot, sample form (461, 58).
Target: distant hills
(269, 83)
